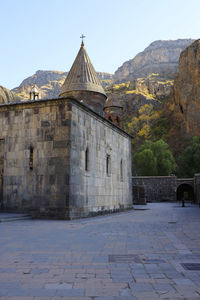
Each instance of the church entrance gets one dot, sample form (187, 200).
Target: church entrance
(185, 192)
(2, 144)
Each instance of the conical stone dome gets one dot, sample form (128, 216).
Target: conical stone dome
(82, 82)
(82, 76)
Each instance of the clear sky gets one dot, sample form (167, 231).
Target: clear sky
(45, 34)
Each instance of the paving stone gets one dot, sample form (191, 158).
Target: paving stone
(125, 292)
(141, 287)
(161, 287)
(18, 298)
(183, 281)
(47, 260)
(94, 292)
(157, 276)
(70, 292)
(105, 298)
(125, 298)
(60, 298)
(146, 296)
(7, 270)
(30, 292)
(58, 286)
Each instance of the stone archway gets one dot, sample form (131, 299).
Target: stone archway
(185, 192)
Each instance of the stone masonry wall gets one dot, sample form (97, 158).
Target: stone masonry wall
(43, 126)
(197, 188)
(94, 191)
(154, 189)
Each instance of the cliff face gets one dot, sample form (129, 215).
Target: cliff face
(6, 96)
(185, 99)
(159, 57)
(154, 85)
(150, 90)
(49, 83)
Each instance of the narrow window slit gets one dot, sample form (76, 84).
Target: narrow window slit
(31, 158)
(108, 165)
(121, 169)
(181, 108)
(86, 159)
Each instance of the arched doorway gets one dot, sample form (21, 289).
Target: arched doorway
(185, 192)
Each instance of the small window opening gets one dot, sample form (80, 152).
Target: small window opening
(181, 108)
(121, 169)
(118, 120)
(108, 165)
(86, 159)
(31, 159)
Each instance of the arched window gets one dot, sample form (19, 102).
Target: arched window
(31, 158)
(108, 164)
(86, 159)
(121, 169)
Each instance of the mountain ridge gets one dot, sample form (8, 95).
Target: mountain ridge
(49, 83)
(159, 57)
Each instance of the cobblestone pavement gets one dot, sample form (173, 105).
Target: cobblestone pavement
(132, 255)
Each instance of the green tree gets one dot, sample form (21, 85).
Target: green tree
(189, 160)
(146, 162)
(154, 159)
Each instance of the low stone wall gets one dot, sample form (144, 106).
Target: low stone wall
(154, 189)
(197, 188)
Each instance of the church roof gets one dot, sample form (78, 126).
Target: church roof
(82, 75)
(113, 101)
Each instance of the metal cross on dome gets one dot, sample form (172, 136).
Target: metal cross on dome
(82, 37)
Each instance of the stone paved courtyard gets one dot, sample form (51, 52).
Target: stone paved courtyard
(133, 255)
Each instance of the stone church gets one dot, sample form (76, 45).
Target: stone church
(65, 158)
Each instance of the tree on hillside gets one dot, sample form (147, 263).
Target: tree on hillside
(189, 160)
(154, 159)
(140, 126)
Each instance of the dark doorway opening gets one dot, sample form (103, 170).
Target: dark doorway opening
(139, 195)
(185, 192)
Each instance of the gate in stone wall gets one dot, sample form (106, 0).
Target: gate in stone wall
(185, 189)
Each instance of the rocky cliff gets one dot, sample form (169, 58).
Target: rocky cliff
(50, 82)
(151, 90)
(6, 96)
(184, 102)
(159, 57)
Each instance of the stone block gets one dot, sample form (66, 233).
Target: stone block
(60, 144)
(45, 123)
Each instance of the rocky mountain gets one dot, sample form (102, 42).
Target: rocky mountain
(153, 84)
(159, 57)
(50, 82)
(6, 96)
(132, 95)
(184, 103)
